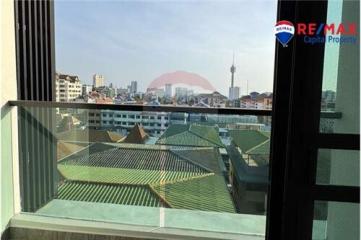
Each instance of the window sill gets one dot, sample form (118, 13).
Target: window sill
(141, 222)
(145, 222)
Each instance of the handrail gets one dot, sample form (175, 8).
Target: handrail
(162, 108)
(141, 108)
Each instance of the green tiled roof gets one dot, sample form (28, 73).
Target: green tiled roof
(191, 135)
(108, 193)
(121, 175)
(208, 158)
(185, 139)
(136, 168)
(205, 193)
(261, 149)
(141, 158)
(247, 139)
(175, 129)
(89, 135)
(245, 173)
(209, 133)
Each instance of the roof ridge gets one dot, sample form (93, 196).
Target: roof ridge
(209, 140)
(111, 138)
(63, 159)
(141, 146)
(257, 146)
(173, 125)
(185, 179)
(158, 195)
(262, 132)
(192, 162)
(170, 136)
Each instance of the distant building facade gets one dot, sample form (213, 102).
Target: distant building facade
(98, 80)
(168, 90)
(214, 99)
(156, 92)
(133, 87)
(94, 119)
(153, 123)
(233, 93)
(107, 91)
(67, 87)
(181, 92)
(86, 89)
(257, 101)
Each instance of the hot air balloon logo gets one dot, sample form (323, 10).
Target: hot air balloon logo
(284, 31)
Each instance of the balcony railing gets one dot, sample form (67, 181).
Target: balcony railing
(208, 170)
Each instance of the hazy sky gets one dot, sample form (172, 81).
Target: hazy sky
(127, 40)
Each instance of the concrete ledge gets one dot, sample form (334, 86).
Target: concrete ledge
(32, 221)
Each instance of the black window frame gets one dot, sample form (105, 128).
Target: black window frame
(297, 93)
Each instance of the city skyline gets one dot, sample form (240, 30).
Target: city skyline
(115, 39)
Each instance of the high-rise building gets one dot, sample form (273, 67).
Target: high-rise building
(233, 91)
(181, 92)
(168, 90)
(67, 87)
(233, 70)
(122, 91)
(98, 80)
(133, 87)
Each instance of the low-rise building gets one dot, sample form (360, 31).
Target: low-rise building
(146, 175)
(86, 89)
(195, 135)
(107, 91)
(67, 87)
(214, 99)
(257, 101)
(249, 183)
(248, 169)
(154, 123)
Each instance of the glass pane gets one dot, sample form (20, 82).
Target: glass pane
(336, 220)
(338, 167)
(170, 169)
(196, 171)
(341, 77)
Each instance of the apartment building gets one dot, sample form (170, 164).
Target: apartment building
(257, 101)
(98, 80)
(153, 123)
(67, 87)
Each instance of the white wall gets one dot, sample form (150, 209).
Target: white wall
(8, 91)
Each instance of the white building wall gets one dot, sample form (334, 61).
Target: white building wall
(154, 123)
(67, 90)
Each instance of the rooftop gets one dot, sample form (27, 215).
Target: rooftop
(256, 175)
(136, 135)
(89, 135)
(248, 139)
(191, 135)
(146, 175)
